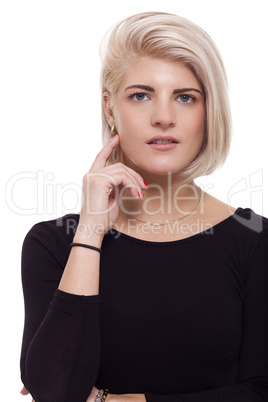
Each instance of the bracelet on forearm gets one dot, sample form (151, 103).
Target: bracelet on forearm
(105, 394)
(86, 246)
(102, 395)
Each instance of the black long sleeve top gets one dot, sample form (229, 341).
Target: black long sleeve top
(179, 321)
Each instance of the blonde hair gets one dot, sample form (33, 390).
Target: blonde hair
(171, 37)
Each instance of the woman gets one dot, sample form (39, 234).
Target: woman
(162, 295)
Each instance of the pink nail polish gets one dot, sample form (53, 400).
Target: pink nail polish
(141, 194)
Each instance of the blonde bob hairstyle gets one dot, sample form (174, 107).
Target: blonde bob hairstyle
(171, 37)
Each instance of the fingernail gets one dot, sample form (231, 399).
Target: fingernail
(141, 194)
(145, 184)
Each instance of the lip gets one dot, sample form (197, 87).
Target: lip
(163, 147)
(162, 137)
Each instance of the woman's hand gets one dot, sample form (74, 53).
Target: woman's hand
(126, 398)
(110, 397)
(102, 190)
(117, 398)
(25, 392)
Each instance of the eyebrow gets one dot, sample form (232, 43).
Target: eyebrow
(151, 89)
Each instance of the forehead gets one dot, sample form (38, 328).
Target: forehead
(157, 72)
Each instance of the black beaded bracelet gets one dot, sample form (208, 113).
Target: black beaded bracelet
(86, 246)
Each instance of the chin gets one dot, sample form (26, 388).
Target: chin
(156, 167)
(162, 170)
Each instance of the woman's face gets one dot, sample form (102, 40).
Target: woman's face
(159, 100)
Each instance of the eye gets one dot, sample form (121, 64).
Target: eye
(138, 96)
(186, 98)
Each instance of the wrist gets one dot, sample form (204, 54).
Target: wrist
(94, 241)
(87, 233)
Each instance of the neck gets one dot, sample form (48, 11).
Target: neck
(166, 198)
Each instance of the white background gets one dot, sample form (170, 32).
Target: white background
(50, 120)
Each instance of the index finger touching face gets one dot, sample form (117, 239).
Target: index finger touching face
(105, 152)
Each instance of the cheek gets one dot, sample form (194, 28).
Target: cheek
(129, 119)
(122, 110)
(191, 128)
(197, 124)
(194, 135)
(129, 128)
(123, 121)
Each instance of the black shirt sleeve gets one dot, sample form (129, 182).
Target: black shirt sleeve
(252, 380)
(60, 349)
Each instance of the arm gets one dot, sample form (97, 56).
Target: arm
(60, 353)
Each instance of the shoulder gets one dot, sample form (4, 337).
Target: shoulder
(245, 234)
(217, 211)
(60, 227)
(241, 228)
(51, 238)
(247, 225)
(252, 228)
(249, 219)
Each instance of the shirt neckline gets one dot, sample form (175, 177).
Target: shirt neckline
(201, 234)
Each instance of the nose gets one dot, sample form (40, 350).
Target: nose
(163, 115)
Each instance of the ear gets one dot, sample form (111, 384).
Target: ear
(107, 107)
